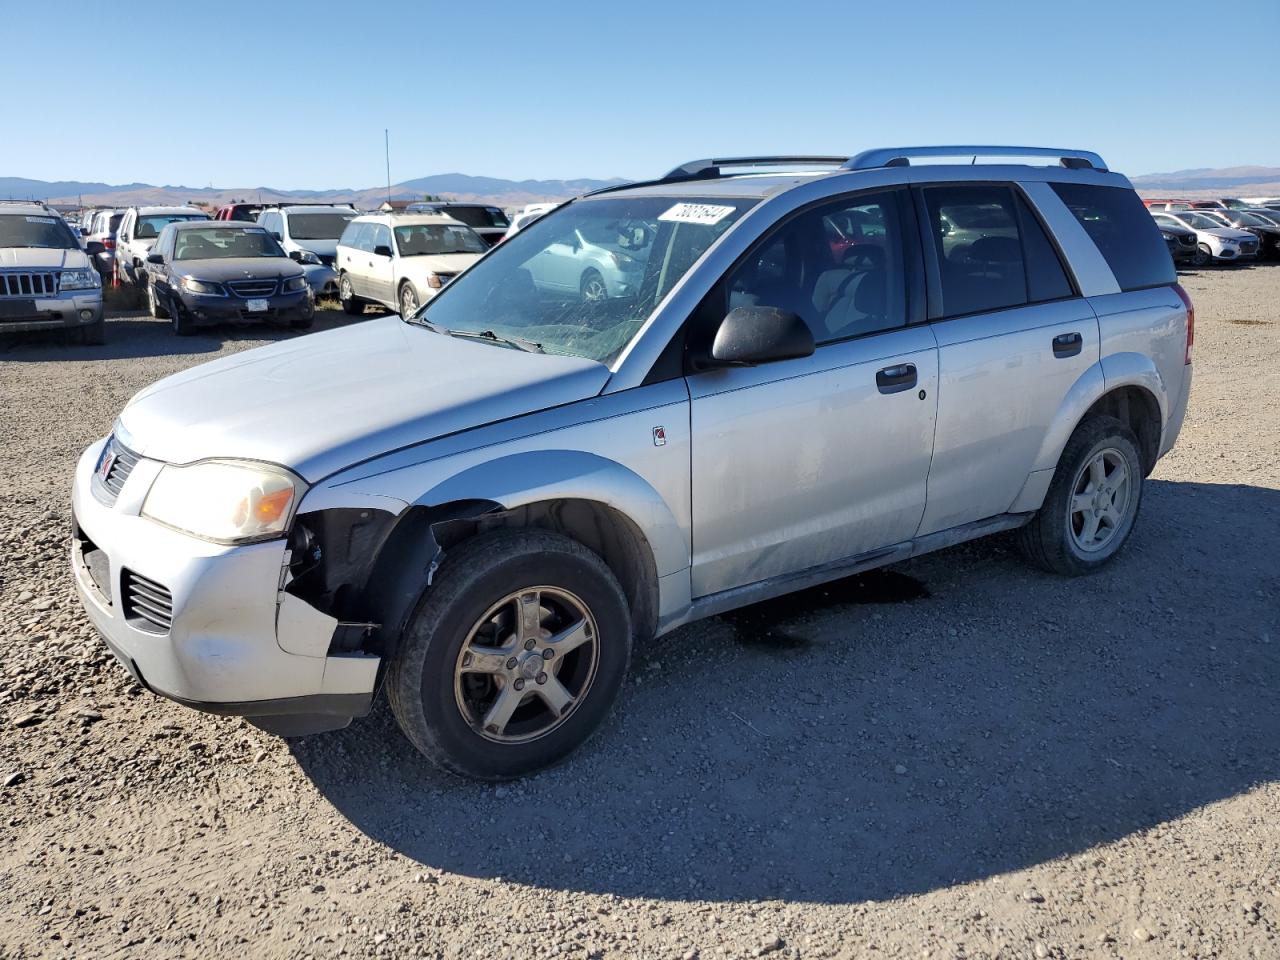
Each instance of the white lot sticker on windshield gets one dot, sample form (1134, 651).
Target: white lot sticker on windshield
(39, 219)
(704, 213)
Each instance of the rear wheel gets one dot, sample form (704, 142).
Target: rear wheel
(351, 304)
(1092, 503)
(513, 657)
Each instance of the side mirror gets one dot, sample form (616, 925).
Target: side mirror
(751, 335)
(382, 250)
(154, 258)
(276, 235)
(295, 255)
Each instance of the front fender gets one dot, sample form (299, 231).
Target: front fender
(519, 479)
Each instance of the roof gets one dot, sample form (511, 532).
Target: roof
(309, 208)
(408, 219)
(147, 211)
(23, 207)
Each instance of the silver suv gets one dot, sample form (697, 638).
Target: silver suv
(823, 365)
(47, 281)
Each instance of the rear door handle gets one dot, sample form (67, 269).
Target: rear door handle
(897, 378)
(1067, 344)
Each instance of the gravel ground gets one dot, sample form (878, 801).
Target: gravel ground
(960, 757)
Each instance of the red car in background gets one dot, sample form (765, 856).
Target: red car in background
(239, 211)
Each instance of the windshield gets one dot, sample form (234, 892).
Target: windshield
(1200, 221)
(36, 231)
(581, 281)
(1250, 219)
(1269, 217)
(218, 243)
(1233, 204)
(422, 239)
(149, 227)
(319, 226)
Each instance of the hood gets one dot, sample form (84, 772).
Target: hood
(237, 268)
(43, 258)
(321, 248)
(437, 263)
(323, 402)
(1229, 233)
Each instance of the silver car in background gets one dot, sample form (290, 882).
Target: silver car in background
(812, 366)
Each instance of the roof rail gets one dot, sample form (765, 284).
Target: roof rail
(902, 156)
(38, 203)
(710, 168)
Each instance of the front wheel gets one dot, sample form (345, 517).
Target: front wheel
(154, 307)
(1092, 502)
(1203, 257)
(592, 287)
(408, 299)
(351, 304)
(513, 657)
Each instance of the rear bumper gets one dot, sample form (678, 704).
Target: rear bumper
(221, 652)
(68, 312)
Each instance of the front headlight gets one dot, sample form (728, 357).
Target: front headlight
(306, 256)
(201, 286)
(79, 280)
(226, 501)
(295, 283)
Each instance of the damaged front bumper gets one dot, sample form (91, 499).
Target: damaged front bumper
(209, 625)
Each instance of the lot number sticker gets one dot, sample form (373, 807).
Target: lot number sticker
(704, 213)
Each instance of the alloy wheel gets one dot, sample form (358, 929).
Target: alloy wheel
(526, 664)
(408, 300)
(1099, 501)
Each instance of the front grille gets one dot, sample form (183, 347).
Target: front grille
(121, 466)
(253, 288)
(1249, 246)
(147, 604)
(29, 284)
(1187, 239)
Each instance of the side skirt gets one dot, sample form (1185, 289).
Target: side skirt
(735, 597)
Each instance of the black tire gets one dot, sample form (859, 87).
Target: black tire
(421, 677)
(407, 298)
(351, 304)
(592, 287)
(183, 324)
(1203, 256)
(154, 307)
(1049, 540)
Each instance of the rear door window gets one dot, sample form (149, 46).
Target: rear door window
(974, 231)
(1124, 232)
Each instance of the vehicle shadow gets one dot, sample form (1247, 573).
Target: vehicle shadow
(136, 335)
(900, 738)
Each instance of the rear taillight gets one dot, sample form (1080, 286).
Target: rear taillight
(108, 244)
(1191, 318)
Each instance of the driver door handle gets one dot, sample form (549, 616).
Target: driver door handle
(897, 378)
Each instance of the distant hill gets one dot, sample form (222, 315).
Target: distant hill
(1244, 181)
(456, 186)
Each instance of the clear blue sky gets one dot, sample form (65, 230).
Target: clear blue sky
(242, 94)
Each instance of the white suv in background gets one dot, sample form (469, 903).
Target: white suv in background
(308, 228)
(137, 234)
(401, 261)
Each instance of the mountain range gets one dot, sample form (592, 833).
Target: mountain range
(455, 186)
(1242, 181)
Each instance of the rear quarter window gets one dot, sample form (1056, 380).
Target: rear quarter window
(1124, 232)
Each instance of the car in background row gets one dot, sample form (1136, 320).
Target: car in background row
(1215, 241)
(1183, 245)
(308, 228)
(239, 211)
(1268, 233)
(596, 262)
(530, 213)
(47, 282)
(402, 260)
(489, 222)
(137, 233)
(100, 240)
(233, 272)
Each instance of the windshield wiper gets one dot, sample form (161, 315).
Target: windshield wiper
(528, 346)
(420, 321)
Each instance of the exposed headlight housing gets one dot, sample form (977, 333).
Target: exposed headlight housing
(225, 501)
(306, 256)
(295, 283)
(79, 280)
(203, 286)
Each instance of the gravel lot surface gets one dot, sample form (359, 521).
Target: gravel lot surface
(960, 757)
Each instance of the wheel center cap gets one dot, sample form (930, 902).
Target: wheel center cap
(531, 665)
